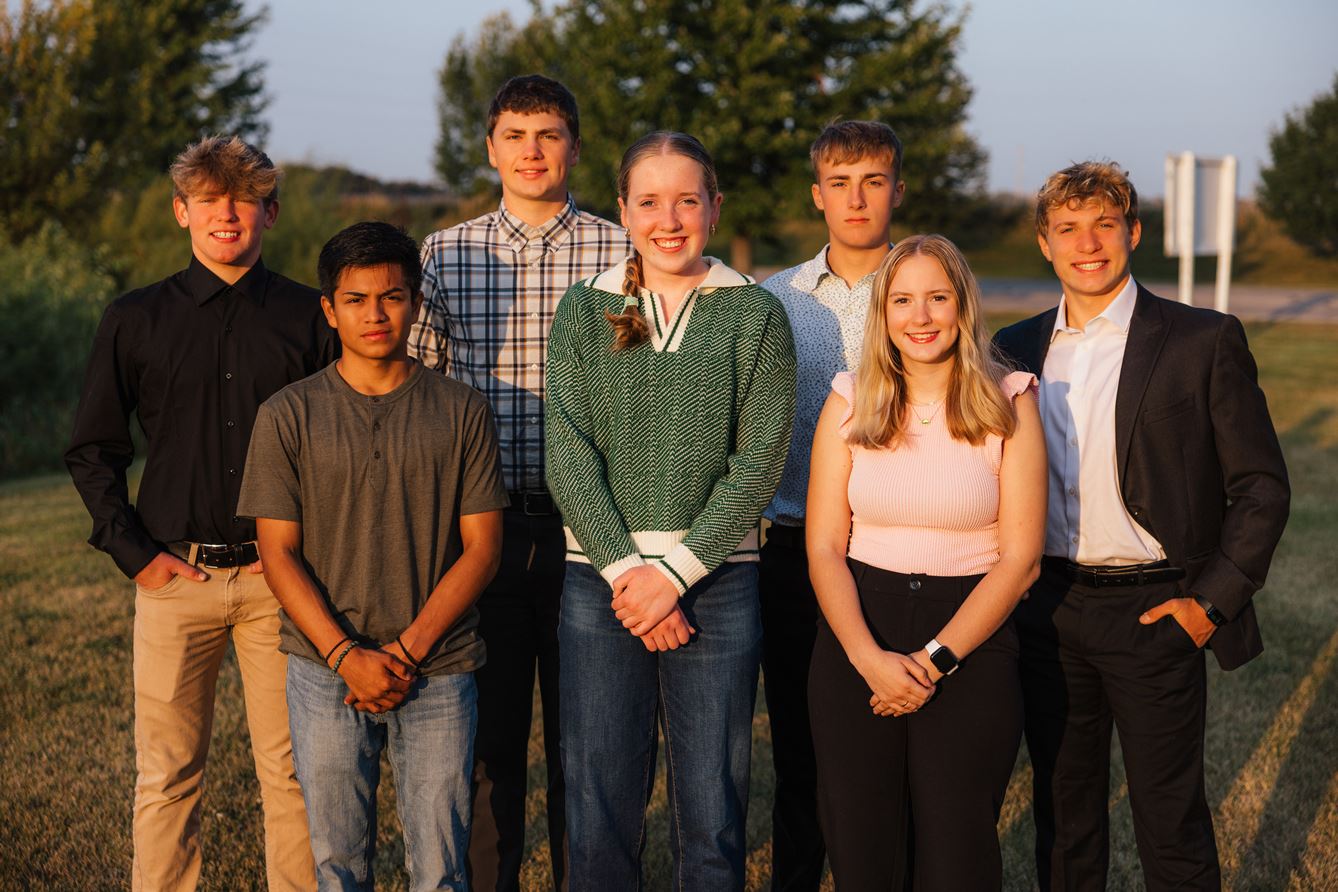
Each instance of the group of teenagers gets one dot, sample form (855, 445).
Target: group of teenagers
(542, 444)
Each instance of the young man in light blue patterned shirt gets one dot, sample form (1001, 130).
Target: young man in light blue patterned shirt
(857, 167)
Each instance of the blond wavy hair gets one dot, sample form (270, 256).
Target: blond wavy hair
(228, 165)
(975, 405)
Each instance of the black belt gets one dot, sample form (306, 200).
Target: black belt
(219, 557)
(1094, 576)
(533, 502)
(786, 536)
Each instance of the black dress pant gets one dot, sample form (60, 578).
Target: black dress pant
(913, 801)
(1087, 663)
(518, 617)
(789, 626)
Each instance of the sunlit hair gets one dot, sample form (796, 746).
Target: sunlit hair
(533, 94)
(227, 165)
(844, 142)
(1080, 184)
(629, 326)
(975, 405)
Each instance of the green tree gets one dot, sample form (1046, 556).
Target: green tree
(1297, 189)
(95, 95)
(755, 80)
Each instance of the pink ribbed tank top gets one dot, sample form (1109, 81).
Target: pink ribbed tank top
(931, 505)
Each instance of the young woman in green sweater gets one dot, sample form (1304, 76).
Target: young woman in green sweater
(670, 394)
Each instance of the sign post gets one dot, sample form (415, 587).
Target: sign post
(1201, 218)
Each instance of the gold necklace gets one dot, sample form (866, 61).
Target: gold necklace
(936, 404)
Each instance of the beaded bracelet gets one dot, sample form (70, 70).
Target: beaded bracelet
(326, 658)
(343, 653)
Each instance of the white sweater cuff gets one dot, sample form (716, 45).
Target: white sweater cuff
(621, 566)
(682, 567)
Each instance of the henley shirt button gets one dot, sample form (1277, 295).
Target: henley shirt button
(235, 518)
(915, 585)
(232, 471)
(376, 425)
(232, 424)
(1073, 490)
(228, 375)
(227, 329)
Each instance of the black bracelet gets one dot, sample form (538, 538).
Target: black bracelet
(326, 658)
(343, 653)
(407, 655)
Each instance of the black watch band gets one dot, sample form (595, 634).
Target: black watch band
(1215, 616)
(942, 657)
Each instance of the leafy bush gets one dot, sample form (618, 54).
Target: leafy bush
(55, 289)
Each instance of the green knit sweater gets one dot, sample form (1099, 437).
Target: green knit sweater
(668, 452)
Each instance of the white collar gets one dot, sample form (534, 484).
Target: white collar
(718, 275)
(1118, 312)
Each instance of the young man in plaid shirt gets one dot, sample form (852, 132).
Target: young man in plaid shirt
(490, 287)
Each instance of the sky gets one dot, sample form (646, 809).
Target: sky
(355, 83)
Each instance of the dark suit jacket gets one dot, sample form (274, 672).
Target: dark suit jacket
(1199, 463)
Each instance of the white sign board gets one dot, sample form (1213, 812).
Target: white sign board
(1201, 217)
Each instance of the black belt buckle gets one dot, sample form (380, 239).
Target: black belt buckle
(533, 503)
(225, 557)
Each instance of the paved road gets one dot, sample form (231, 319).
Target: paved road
(1253, 303)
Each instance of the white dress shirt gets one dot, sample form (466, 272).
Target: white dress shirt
(1087, 521)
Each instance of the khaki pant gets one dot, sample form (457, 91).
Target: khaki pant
(181, 635)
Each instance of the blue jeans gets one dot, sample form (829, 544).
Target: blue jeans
(613, 691)
(337, 756)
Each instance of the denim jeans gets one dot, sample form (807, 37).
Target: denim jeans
(613, 691)
(337, 755)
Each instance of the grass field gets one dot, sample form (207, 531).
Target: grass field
(67, 761)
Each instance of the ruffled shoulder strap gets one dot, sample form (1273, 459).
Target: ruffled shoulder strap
(1017, 383)
(844, 385)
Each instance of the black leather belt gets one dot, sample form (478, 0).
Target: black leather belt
(786, 536)
(533, 502)
(1094, 576)
(219, 557)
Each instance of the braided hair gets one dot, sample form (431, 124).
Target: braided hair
(630, 327)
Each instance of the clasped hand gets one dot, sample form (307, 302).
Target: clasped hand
(646, 603)
(378, 680)
(899, 683)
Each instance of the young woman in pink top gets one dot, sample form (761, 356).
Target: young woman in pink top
(926, 518)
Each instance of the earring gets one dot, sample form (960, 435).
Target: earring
(712, 229)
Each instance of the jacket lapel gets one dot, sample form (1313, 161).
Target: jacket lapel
(1147, 334)
(1036, 343)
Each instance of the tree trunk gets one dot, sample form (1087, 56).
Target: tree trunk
(741, 254)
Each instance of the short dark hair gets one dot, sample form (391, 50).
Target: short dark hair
(370, 243)
(844, 142)
(530, 94)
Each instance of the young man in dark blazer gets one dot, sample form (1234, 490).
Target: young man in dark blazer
(1167, 496)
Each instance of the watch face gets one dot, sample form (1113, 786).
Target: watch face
(944, 660)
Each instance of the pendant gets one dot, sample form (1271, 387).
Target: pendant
(925, 420)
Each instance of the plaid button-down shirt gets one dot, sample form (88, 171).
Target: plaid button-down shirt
(490, 286)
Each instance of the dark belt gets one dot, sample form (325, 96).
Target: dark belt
(533, 502)
(786, 536)
(1094, 576)
(219, 557)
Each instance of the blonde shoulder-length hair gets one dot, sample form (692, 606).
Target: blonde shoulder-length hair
(976, 405)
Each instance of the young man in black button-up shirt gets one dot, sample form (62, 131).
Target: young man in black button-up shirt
(194, 356)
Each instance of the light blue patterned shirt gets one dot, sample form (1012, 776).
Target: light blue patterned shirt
(827, 318)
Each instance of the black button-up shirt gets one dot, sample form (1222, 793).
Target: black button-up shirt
(195, 357)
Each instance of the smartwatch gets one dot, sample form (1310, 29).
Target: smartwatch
(941, 656)
(1214, 615)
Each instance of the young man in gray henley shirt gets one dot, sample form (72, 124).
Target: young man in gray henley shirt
(857, 173)
(377, 491)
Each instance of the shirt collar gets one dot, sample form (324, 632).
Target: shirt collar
(553, 233)
(203, 285)
(811, 272)
(719, 275)
(1118, 312)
